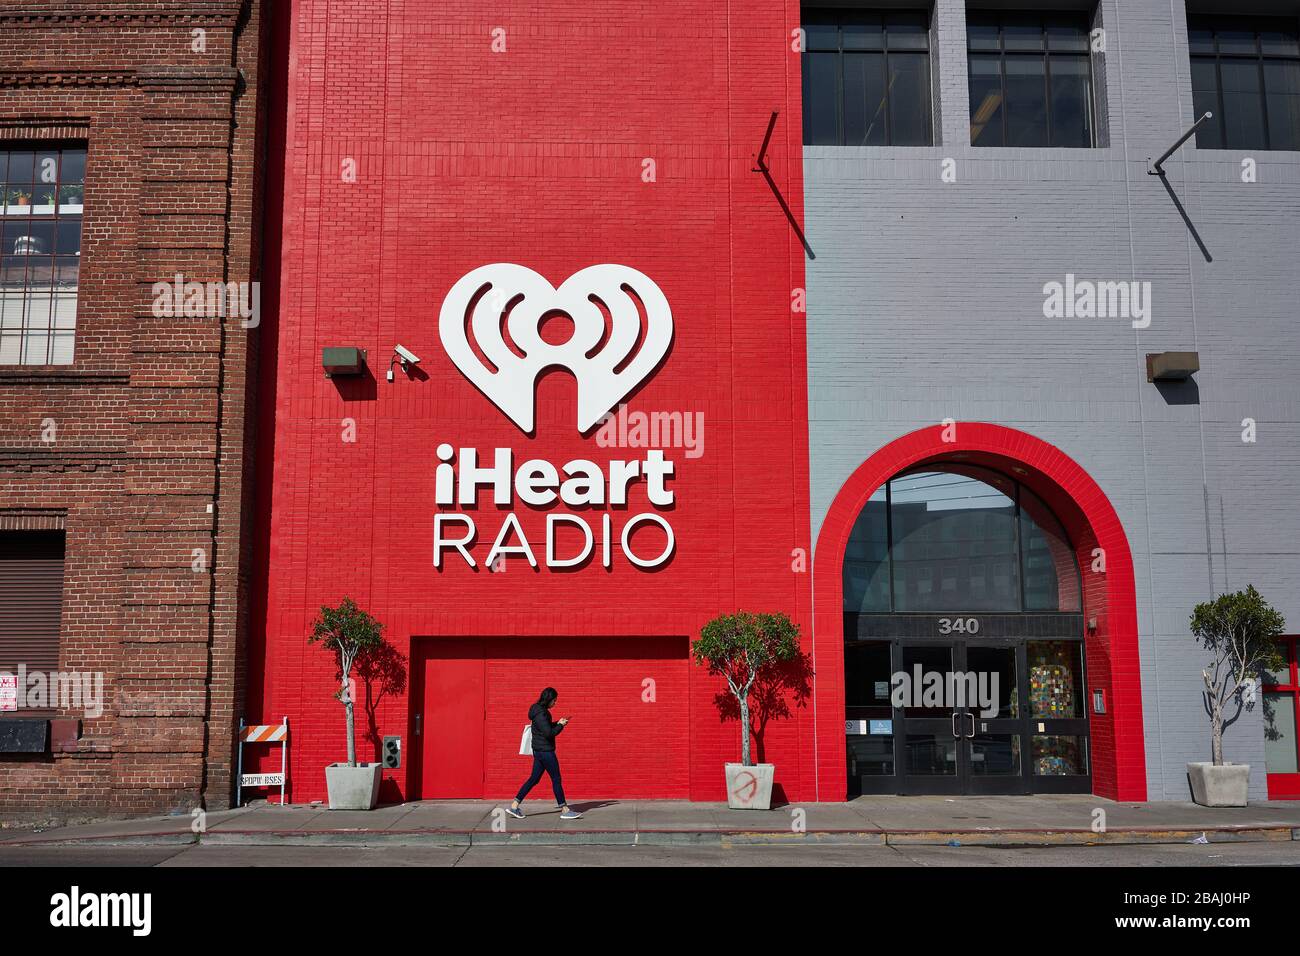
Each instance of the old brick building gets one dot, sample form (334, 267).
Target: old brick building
(129, 137)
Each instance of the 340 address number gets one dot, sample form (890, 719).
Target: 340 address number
(959, 625)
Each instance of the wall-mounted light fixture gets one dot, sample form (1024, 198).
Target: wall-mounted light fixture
(1172, 366)
(343, 361)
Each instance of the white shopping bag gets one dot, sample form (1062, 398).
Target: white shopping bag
(526, 742)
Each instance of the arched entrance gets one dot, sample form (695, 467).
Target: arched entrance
(966, 550)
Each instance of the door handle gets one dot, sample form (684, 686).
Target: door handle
(971, 735)
(417, 724)
(955, 731)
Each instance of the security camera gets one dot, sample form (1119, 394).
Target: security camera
(404, 355)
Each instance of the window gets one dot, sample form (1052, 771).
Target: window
(958, 539)
(1281, 710)
(866, 78)
(1246, 71)
(40, 254)
(1030, 80)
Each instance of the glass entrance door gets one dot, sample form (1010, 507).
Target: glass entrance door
(974, 715)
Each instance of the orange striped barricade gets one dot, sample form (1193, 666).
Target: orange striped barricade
(262, 734)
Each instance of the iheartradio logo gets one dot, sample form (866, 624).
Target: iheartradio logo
(500, 307)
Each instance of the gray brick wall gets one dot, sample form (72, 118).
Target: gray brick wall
(925, 302)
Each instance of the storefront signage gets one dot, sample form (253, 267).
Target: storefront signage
(503, 299)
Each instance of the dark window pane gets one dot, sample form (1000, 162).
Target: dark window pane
(981, 33)
(1071, 101)
(1281, 41)
(864, 99)
(1022, 33)
(985, 100)
(909, 99)
(1282, 84)
(1026, 101)
(954, 543)
(866, 560)
(20, 170)
(1205, 98)
(47, 168)
(1067, 35)
(1236, 40)
(821, 99)
(863, 33)
(1200, 39)
(73, 167)
(821, 35)
(1243, 107)
(907, 31)
(67, 239)
(1049, 568)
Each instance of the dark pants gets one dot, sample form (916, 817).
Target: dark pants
(544, 760)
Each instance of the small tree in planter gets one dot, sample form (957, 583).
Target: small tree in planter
(1240, 631)
(742, 648)
(349, 632)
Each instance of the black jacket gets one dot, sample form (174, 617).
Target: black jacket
(544, 729)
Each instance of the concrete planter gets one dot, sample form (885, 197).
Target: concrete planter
(750, 788)
(1223, 786)
(353, 788)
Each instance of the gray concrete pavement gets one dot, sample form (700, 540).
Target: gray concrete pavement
(1227, 855)
(897, 821)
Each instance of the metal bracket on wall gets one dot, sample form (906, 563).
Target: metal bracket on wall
(762, 167)
(1158, 167)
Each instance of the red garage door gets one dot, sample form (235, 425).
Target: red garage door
(627, 698)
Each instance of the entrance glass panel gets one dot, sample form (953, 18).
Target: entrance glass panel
(1059, 756)
(979, 715)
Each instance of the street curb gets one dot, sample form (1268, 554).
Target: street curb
(670, 838)
(728, 838)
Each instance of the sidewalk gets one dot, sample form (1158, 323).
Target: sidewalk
(877, 820)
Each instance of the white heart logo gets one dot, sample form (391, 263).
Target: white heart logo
(503, 299)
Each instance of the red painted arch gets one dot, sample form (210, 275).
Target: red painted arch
(1090, 521)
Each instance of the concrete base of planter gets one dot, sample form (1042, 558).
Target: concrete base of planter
(1223, 786)
(750, 788)
(353, 788)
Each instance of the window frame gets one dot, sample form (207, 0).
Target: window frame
(26, 295)
(839, 16)
(1041, 18)
(1291, 646)
(1216, 24)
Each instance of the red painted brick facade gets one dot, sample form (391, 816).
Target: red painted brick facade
(535, 155)
(150, 459)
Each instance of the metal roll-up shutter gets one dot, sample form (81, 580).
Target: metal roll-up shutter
(31, 599)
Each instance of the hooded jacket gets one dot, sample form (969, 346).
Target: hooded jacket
(544, 729)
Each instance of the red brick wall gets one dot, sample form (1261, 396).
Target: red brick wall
(535, 156)
(150, 453)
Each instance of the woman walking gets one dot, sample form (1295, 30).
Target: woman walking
(544, 733)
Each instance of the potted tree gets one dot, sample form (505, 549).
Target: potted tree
(1240, 631)
(744, 648)
(349, 633)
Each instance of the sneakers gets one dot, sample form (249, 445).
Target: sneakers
(518, 814)
(570, 815)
